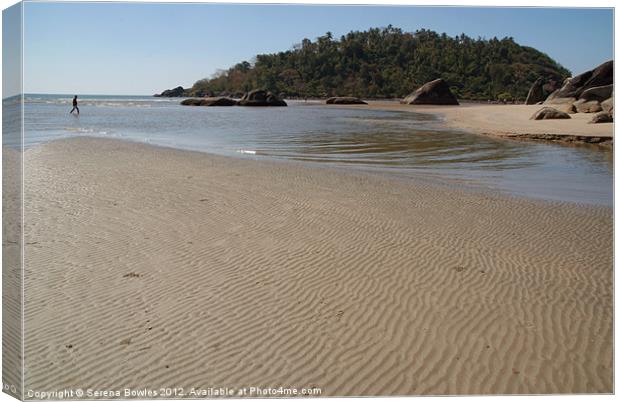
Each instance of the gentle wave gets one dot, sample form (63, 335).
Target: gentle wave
(84, 130)
(140, 102)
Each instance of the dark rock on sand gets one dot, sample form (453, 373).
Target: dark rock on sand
(549, 113)
(345, 100)
(170, 93)
(259, 97)
(535, 93)
(217, 101)
(573, 87)
(602, 117)
(584, 106)
(540, 90)
(436, 92)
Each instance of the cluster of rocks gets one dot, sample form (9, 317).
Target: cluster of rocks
(436, 92)
(257, 97)
(202, 93)
(589, 92)
(180, 92)
(213, 101)
(172, 93)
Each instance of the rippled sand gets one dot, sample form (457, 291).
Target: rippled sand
(152, 267)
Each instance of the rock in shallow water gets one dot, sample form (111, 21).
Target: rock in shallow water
(259, 97)
(218, 101)
(345, 100)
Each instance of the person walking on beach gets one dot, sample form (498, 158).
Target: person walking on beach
(75, 106)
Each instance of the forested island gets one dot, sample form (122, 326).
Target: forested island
(388, 63)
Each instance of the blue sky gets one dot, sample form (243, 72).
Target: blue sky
(11, 50)
(141, 48)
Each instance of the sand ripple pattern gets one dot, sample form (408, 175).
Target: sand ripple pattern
(153, 267)
(12, 339)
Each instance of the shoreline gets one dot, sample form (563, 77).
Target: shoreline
(508, 122)
(441, 181)
(357, 284)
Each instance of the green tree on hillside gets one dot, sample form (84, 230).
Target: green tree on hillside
(389, 63)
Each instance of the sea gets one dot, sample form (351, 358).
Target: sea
(396, 143)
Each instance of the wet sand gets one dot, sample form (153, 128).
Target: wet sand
(509, 121)
(154, 267)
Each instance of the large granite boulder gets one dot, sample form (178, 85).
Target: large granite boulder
(549, 113)
(170, 93)
(536, 93)
(259, 97)
(601, 75)
(550, 86)
(191, 102)
(436, 92)
(573, 87)
(608, 105)
(597, 93)
(540, 89)
(585, 106)
(602, 117)
(345, 100)
(566, 107)
(216, 101)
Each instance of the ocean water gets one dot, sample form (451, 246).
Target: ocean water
(406, 144)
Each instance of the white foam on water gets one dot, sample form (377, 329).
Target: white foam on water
(244, 151)
(80, 130)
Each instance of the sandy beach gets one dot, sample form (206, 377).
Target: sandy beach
(150, 267)
(11, 272)
(508, 121)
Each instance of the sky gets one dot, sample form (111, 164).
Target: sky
(144, 48)
(11, 51)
